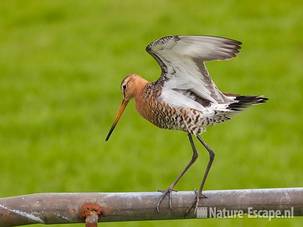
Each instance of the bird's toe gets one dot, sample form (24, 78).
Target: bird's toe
(198, 196)
(165, 193)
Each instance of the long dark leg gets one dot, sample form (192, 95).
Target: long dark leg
(171, 187)
(211, 159)
(199, 194)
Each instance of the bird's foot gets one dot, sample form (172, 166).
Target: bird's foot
(198, 196)
(165, 193)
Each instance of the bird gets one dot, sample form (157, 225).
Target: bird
(185, 97)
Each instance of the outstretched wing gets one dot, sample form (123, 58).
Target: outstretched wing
(184, 74)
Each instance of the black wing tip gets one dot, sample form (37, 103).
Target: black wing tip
(236, 42)
(230, 41)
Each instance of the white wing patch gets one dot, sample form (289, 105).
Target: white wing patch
(177, 99)
(185, 78)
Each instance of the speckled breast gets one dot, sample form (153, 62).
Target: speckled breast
(165, 116)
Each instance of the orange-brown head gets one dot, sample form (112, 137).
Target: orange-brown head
(131, 86)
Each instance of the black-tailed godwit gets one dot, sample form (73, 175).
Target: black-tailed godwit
(185, 97)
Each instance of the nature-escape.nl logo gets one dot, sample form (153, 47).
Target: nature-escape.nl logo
(250, 212)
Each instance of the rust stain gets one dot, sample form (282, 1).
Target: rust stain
(91, 212)
(87, 208)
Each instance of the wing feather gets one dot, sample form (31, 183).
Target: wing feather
(182, 58)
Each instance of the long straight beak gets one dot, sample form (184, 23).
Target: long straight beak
(118, 116)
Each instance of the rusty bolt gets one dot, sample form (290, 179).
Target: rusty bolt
(91, 212)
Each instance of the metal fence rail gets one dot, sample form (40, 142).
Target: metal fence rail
(55, 208)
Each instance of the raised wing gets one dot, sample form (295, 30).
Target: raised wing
(182, 58)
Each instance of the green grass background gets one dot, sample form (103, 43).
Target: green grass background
(61, 64)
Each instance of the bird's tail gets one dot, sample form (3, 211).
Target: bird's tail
(241, 102)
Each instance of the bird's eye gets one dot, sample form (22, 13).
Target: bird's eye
(124, 87)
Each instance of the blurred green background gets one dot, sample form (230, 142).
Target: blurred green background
(61, 64)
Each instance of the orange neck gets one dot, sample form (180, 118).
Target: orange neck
(139, 96)
(139, 88)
